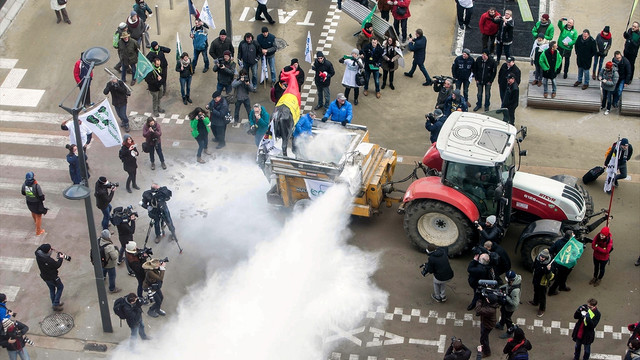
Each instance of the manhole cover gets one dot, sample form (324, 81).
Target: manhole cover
(281, 43)
(57, 324)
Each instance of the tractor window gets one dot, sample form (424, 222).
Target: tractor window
(506, 166)
(478, 183)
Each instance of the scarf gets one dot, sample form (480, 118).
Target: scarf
(606, 37)
(367, 34)
(185, 63)
(133, 24)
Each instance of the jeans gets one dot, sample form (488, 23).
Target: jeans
(439, 288)
(566, 57)
(155, 98)
(425, 72)
(505, 318)
(158, 148)
(157, 300)
(105, 217)
(582, 72)
(598, 268)
(138, 328)
(227, 88)
(253, 69)
(13, 354)
(597, 63)
(618, 92)
(484, 339)
(587, 350)
(205, 57)
(185, 86)
(247, 107)
(376, 79)
(464, 14)
(607, 98)
(271, 62)
(123, 72)
(464, 83)
(545, 85)
(112, 277)
(55, 290)
(262, 10)
(121, 110)
(324, 96)
(499, 48)
(397, 24)
(486, 88)
(203, 141)
(489, 45)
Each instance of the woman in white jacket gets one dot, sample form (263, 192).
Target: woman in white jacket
(60, 9)
(354, 66)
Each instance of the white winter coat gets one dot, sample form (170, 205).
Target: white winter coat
(351, 69)
(55, 6)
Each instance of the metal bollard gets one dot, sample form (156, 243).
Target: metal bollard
(170, 4)
(157, 20)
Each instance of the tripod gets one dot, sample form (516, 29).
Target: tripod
(163, 225)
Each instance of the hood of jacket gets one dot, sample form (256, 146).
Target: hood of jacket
(517, 280)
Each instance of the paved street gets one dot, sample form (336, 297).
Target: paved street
(248, 281)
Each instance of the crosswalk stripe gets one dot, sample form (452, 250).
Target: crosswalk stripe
(33, 162)
(47, 187)
(11, 291)
(22, 236)
(32, 117)
(18, 207)
(32, 139)
(16, 264)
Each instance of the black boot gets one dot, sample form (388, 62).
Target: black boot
(391, 86)
(184, 100)
(189, 99)
(384, 84)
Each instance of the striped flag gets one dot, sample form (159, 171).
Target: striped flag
(370, 16)
(192, 9)
(178, 47)
(570, 253)
(612, 168)
(307, 49)
(143, 67)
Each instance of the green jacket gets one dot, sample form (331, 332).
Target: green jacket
(547, 35)
(544, 62)
(564, 33)
(194, 126)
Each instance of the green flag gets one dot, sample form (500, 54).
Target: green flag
(570, 253)
(143, 67)
(370, 16)
(178, 47)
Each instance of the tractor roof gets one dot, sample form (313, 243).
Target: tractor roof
(477, 139)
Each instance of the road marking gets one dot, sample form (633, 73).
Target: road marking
(8, 63)
(15, 264)
(13, 79)
(10, 94)
(340, 334)
(306, 22)
(47, 187)
(32, 162)
(11, 291)
(391, 339)
(605, 357)
(21, 236)
(32, 117)
(18, 207)
(285, 16)
(441, 343)
(33, 139)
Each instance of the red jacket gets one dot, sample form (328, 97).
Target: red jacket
(76, 71)
(401, 3)
(601, 247)
(487, 26)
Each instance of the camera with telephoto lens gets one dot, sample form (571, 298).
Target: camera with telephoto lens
(64, 256)
(114, 185)
(487, 288)
(220, 61)
(165, 260)
(24, 338)
(430, 117)
(148, 297)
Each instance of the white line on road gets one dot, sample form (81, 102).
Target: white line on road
(22, 236)
(15, 264)
(20, 97)
(33, 162)
(11, 291)
(8, 63)
(30, 139)
(18, 207)
(605, 357)
(47, 187)
(32, 117)
(13, 79)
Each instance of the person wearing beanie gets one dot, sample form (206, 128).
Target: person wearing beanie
(110, 259)
(158, 51)
(631, 46)
(125, 221)
(625, 154)
(461, 70)
(603, 44)
(267, 42)
(542, 276)
(137, 28)
(199, 33)
(60, 10)
(323, 73)
(13, 339)
(49, 273)
(512, 291)
(517, 346)
(434, 123)
(300, 76)
(128, 155)
(242, 88)
(119, 98)
(142, 9)
(602, 245)
(34, 197)
(226, 69)
(104, 191)
(219, 108)
(566, 41)
(262, 10)
(540, 44)
(585, 51)
(155, 80)
(439, 266)
(249, 52)
(608, 77)
(455, 102)
(484, 72)
(561, 272)
(550, 63)
(419, 47)
(543, 27)
(221, 44)
(490, 231)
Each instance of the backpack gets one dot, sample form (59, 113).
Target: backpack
(118, 307)
(103, 256)
(116, 39)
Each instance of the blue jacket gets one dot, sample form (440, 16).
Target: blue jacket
(200, 40)
(74, 168)
(434, 128)
(462, 68)
(263, 123)
(303, 126)
(419, 48)
(268, 43)
(339, 114)
(451, 105)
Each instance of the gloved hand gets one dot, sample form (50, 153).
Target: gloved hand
(324, 119)
(341, 61)
(344, 123)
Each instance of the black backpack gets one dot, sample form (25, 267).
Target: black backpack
(118, 307)
(103, 255)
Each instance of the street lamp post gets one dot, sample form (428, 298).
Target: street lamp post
(227, 18)
(94, 56)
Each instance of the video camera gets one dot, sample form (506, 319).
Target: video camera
(489, 293)
(438, 82)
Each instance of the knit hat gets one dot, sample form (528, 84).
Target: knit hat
(609, 65)
(606, 29)
(491, 219)
(102, 179)
(605, 231)
(319, 54)
(131, 247)
(122, 26)
(541, 36)
(133, 13)
(126, 136)
(226, 52)
(154, 44)
(511, 76)
(106, 234)
(486, 51)
(265, 29)
(437, 113)
(624, 141)
(45, 248)
(29, 175)
(355, 51)
(545, 16)
(294, 61)
(456, 92)
(216, 94)
(568, 233)
(544, 253)
(6, 324)
(466, 51)
(511, 275)
(223, 32)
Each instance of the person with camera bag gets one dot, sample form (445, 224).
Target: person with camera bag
(445, 91)
(104, 194)
(135, 258)
(457, 350)
(14, 339)
(109, 259)
(479, 269)
(125, 222)
(354, 69)
(152, 133)
(439, 266)
(154, 276)
(49, 273)
(226, 69)
(517, 348)
(584, 331)
(35, 200)
(132, 311)
(434, 123)
(155, 201)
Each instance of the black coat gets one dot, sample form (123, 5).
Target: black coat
(589, 329)
(630, 47)
(14, 333)
(504, 264)
(249, 53)
(153, 84)
(511, 97)
(439, 266)
(484, 71)
(478, 272)
(218, 112)
(519, 349)
(419, 48)
(319, 67)
(462, 68)
(133, 314)
(217, 47)
(152, 54)
(225, 73)
(585, 50)
(47, 265)
(624, 69)
(372, 56)
(504, 71)
(505, 32)
(103, 195)
(129, 161)
(184, 72)
(34, 197)
(119, 92)
(539, 270)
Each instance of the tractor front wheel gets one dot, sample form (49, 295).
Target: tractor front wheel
(532, 247)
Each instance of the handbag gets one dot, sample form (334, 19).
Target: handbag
(62, 2)
(400, 11)
(228, 118)
(360, 81)
(145, 147)
(233, 97)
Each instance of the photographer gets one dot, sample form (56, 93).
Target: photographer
(154, 276)
(439, 266)
(14, 339)
(457, 351)
(499, 259)
(226, 69)
(487, 307)
(49, 273)
(584, 332)
(445, 91)
(512, 301)
(490, 231)
(242, 87)
(152, 133)
(133, 313)
(434, 123)
(135, 258)
(110, 260)
(104, 194)
(128, 155)
(155, 201)
(125, 222)
(517, 347)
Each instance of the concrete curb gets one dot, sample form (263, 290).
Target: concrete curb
(8, 13)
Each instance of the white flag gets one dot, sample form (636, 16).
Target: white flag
(205, 15)
(612, 168)
(102, 122)
(265, 73)
(307, 49)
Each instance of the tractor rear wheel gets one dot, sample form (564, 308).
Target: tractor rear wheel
(532, 247)
(434, 222)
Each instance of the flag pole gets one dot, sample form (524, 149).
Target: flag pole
(610, 202)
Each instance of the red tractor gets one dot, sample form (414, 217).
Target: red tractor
(474, 174)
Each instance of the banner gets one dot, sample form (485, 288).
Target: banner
(102, 122)
(570, 253)
(612, 167)
(178, 47)
(143, 67)
(268, 144)
(316, 188)
(307, 49)
(205, 15)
